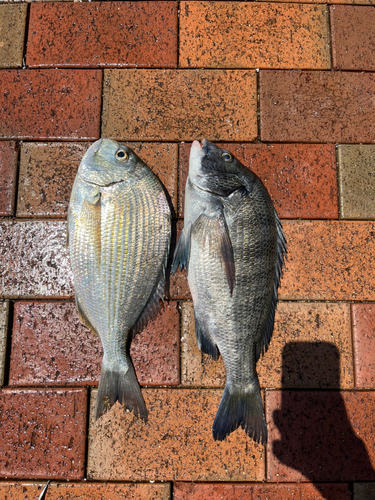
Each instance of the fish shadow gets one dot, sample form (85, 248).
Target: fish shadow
(316, 436)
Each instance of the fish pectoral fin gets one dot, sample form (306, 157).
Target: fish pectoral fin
(84, 319)
(204, 342)
(182, 251)
(226, 251)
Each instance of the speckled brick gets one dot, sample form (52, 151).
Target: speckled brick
(34, 260)
(301, 178)
(180, 105)
(12, 34)
(42, 433)
(8, 174)
(310, 348)
(4, 316)
(115, 34)
(251, 35)
(329, 260)
(175, 444)
(317, 106)
(196, 491)
(20, 491)
(50, 104)
(320, 436)
(47, 173)
(363, 491)
(353, 39)
(364, 344)
(357, 181)
(50, 346)
(103, 491)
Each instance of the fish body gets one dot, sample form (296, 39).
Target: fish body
(233, 248)
(119, 229)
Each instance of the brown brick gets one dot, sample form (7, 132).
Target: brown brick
(320, 106)
(303, 332)
(356, 181)
(320, 436)
(238, 491)
(102, 491)
(50, 346)
(363, 491)
(115, 34)
(364, 344)
(329, 260)
(301, 178)
(34, 260)
(353, 40)
(180, 105)
(298, 37)
(8, 173)
(20, 491)
(47, 173)
(46, 104)
(12, 34)
(4, 315)
(175, 444)
(42, 433)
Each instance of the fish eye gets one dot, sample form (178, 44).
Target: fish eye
(122, 155)
(227, 156)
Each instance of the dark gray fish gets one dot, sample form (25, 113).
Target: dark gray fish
(233, 248)
(119, 227)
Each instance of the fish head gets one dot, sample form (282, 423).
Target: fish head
(216, 170)
(108, 162)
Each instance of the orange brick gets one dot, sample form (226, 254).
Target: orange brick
(12, 34)
(253, 35)
(175, 444)
(301, 178)
(329, 260)
(172, 105)
(303, 331)
(102, 491)
(20, 491)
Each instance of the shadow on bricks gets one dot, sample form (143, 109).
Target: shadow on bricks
(319, 434)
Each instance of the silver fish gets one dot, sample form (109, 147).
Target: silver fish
(233, 248)
(119, 229)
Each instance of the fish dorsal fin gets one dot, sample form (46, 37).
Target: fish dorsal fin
(262, 347)
(182, 251)
(82, 316)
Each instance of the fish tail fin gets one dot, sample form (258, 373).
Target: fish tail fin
(239, 407)
(123, 387)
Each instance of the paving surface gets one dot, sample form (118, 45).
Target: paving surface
(289, 89)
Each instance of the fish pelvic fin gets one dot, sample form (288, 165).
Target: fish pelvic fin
(115, 386)
(205, 344)
(241, 407)
(182, 252)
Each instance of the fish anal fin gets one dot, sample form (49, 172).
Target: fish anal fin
(182, 251)
(204, 342)
(83, 317)
(226, 251)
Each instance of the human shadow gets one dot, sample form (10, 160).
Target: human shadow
(316, 435)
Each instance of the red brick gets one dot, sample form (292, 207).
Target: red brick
(353, 40)
(50, 346)
(20, 491)
(50, 104)
(179, 105)
(103, 491)
(329, 260)
(298, 37)
(8, 174)
(12, 34)
(4, 321)
(34, 260)
(320, 106)
(115, 34)
(320, 436)
(48, 170)
(364, 344)
(301, 178)
(174, 444)
(42, 433)
(238, 491)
